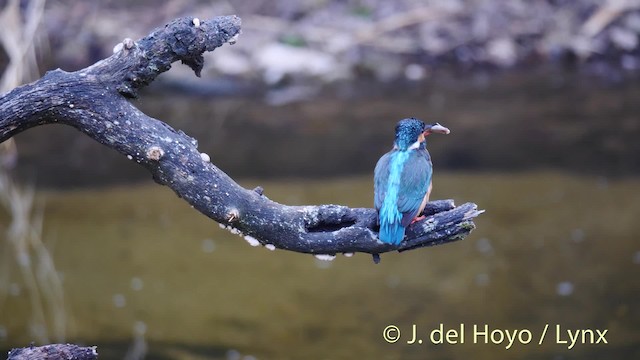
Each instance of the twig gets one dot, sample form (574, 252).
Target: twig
(606, 14)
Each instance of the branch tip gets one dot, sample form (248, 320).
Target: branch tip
(473, 213)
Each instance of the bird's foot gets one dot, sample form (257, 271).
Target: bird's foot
(418, 218)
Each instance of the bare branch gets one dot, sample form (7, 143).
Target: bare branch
(54, 352)
(94, 101)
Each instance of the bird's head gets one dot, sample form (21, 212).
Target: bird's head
(411, 133)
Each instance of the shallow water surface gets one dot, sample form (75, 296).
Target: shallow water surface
(527, 120)
(551, 249)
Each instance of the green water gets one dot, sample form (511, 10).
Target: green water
(551, 249)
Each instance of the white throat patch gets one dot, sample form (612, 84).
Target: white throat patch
(415, 145)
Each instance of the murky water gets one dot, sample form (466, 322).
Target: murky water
(557, 248)
(514, 121)
(552, 248)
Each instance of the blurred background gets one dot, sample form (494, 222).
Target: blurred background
(542, 100)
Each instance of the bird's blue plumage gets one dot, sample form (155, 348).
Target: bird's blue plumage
(401, 181)
(391, 229)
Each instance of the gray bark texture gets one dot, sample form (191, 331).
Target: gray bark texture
(54, 352)
(94, 100)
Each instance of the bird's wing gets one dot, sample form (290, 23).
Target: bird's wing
(416, 178)
(380, 180)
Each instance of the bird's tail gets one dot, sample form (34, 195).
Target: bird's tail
(391, 232)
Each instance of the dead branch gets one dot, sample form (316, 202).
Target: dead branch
(54, 352)
(94, 101)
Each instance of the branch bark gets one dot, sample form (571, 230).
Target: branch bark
(94, 101)
(54, 352)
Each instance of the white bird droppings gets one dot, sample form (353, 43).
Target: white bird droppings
(129, 157)
(196, 22)
(232, 230)
(118, 47)
(270, 247)
(252, 241)
(324, 257)
(205, 157)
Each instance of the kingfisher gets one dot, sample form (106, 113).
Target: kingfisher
(402, 179)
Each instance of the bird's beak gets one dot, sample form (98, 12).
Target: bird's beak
(437, 128)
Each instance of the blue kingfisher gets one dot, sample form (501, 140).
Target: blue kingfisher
(402, 179)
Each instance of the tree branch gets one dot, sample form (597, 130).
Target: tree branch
(94, 101)
(54, 352)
